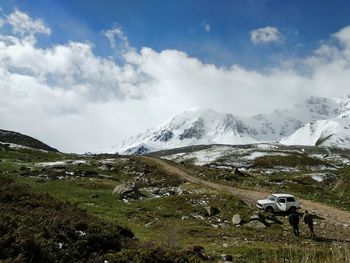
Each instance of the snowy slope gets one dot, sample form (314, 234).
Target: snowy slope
(200, 126)
(332, 133)
(206, 126)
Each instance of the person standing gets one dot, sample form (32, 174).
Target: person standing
(293, 219)
(309, 221)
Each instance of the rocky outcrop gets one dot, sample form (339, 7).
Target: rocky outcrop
(128, 190)
(211, 211)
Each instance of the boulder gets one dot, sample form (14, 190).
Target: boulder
(211, 211)
(255, 217)
(269, 222)
(236, 219)
(255, 224)
(54, 173)
(237, 172)
(127, 190)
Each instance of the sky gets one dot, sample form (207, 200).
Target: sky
(85, 75)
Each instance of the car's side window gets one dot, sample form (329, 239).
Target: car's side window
(282, 200)
(290, 199)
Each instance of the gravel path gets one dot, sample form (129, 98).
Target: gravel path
(331, 214)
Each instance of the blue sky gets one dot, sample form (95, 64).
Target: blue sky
(92, 70)
(179, 25)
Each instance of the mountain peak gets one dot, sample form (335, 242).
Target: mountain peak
(203, 125)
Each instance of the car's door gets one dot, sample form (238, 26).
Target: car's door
(282, 204)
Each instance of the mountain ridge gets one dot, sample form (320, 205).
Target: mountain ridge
(19, 139)
(206, 126)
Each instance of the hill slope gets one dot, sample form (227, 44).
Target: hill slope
(23, 140)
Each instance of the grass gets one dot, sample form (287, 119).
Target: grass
(166, 213)
(175, 221)
(290, 160)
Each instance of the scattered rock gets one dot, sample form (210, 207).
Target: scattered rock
(236, 219)
(211, 211)
(166, 192)
(185, 217)
(255, 224)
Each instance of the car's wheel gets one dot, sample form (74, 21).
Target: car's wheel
(292, 210)
(269, 210)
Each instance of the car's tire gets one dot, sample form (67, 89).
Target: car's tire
(269, 210)
(293, 209)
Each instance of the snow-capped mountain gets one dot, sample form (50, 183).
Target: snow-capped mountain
(333, 133)
(317, 121)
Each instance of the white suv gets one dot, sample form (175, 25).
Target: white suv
(279, 203)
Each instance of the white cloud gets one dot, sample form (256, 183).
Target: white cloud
(265, 35)
(206, 26)
(22, 24)
(77, 101)
(117, 39)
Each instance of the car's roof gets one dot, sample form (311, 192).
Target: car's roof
(283, 195)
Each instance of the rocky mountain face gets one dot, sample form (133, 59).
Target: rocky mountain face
(21, 140)
(317, 121)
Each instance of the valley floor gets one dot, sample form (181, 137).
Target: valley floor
(182, 207)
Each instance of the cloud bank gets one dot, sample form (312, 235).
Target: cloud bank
(77, 101)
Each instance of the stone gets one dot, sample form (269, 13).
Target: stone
(236, 219)
(255, 217)
(127, 190)
(150, 223)
(255, 224)
(211, 211)
(270, 222)
(54, 173)
(237, 172)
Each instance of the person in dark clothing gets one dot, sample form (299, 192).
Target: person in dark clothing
(309, 221)
(294, 222)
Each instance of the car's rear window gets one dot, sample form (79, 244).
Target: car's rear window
(290, 199)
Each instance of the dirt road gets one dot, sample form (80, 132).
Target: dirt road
(332, 214)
